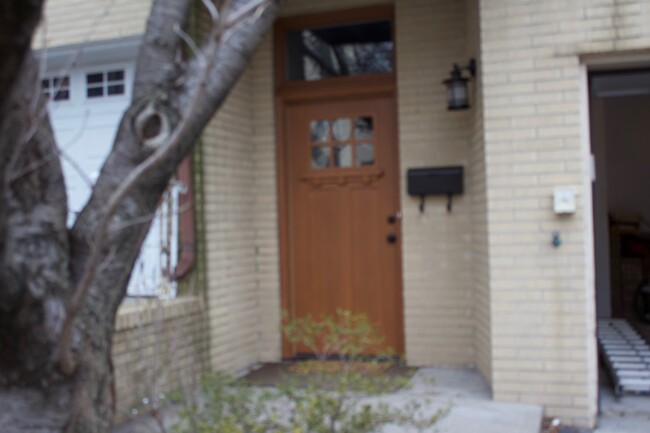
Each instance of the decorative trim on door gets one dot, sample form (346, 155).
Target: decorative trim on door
(366, 177)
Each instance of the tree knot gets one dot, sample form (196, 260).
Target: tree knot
(152, 126)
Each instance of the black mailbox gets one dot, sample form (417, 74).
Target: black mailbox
(435, 181)
(430, 181)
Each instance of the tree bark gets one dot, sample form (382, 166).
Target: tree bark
(60, 289)
(18, 20)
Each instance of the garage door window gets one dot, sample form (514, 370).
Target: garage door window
(57, 88)
(106, 83)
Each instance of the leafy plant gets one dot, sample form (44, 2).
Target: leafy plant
(346, 334)
(228, 406)
(336, 392)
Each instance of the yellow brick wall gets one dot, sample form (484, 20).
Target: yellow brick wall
(437, 245)
(68, 22)
(477, 180)
(229, 203)
(158, 346)
(542, 298)
(266, 220)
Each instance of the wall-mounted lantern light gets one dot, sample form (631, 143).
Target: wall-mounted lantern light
(457, 94)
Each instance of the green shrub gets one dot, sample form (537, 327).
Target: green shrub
(345, 335)
(320, 396)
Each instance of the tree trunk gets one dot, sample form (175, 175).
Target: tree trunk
(60, 289)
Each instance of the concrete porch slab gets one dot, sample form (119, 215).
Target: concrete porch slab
(629, 414)
(467, 396)
(462, 391)
(491, 417)
(623, 424)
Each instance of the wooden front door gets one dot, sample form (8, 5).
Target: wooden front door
(343, 203)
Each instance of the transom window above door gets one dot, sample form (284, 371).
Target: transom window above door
(342, 142)
(337, 51)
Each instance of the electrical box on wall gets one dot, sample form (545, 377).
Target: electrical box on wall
(564, 201)
(435, 181)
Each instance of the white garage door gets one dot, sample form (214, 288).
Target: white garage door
(86, 106)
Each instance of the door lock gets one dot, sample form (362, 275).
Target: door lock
(391, 238)
(392, 219)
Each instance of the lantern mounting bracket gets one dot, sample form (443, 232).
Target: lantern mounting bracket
(471, 67)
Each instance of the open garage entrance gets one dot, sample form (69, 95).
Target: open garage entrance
(620, 141)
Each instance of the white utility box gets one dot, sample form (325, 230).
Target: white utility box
(564, 201)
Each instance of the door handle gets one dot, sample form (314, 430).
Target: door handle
(391, 238)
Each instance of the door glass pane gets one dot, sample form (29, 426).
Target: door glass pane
(365, 153)
(363, 128)
(342, 129)
(320, 131)
(343, 156)
(320, 157)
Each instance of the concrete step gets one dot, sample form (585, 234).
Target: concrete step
(492, 417)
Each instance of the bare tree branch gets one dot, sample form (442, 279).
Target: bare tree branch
(196, 51)
(34, 277)
(212, 10)
(158, 62)
(205, 88)
(253, 7)
(18, 21)
(59, 288)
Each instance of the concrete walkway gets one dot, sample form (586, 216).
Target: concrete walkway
(467, 396)
(462, 391)
(629, 414)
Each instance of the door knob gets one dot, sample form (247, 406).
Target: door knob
(391, 238)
